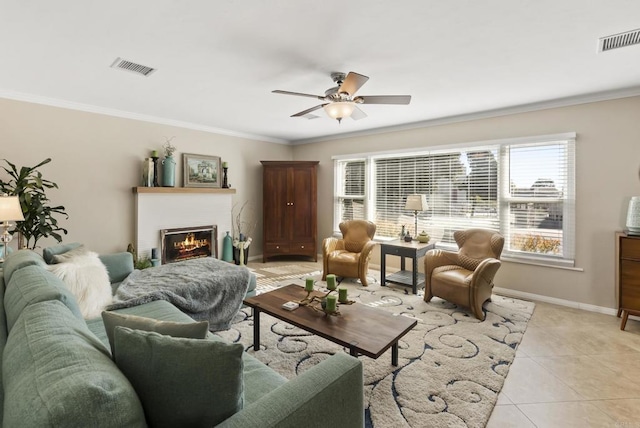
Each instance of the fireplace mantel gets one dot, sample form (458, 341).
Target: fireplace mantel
(183, 190)
(159, 208)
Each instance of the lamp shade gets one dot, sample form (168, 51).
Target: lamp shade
(633, 216)
(340, 109)
(10, 209)
(416, 203)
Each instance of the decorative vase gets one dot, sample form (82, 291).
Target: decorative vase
(240, 258)
(168, 172)
(227, 249)
(147, 172)
(155, 171)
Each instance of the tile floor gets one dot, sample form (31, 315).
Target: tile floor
(574, 368)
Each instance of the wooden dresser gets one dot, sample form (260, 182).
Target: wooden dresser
(289, 209)
(628, 275)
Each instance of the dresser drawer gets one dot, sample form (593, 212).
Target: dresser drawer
(630, 248)
(302, 248)
(278, 248)
(630, 284)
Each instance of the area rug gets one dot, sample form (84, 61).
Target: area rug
(451, 366)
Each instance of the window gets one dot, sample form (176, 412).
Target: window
(350, 197)
(522, 188)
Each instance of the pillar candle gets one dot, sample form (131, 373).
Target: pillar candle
(342, 295)
(308, 284)
(331, 281)
(225, 164)
(331, 303)
(154, 154)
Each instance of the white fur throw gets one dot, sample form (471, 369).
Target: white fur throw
(87, 278)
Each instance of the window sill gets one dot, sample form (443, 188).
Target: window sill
(560, 264)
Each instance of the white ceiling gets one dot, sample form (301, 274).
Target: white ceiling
(218, 61)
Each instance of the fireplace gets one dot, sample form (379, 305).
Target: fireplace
(188, 243)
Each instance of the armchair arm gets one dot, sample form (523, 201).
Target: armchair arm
(334, 384)
(328, 245)
(485, 272)
(437, 258)
(365, 254)
(432, 260)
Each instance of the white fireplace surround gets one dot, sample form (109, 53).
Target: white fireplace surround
(169, 209)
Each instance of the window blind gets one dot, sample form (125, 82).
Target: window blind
(523, 188)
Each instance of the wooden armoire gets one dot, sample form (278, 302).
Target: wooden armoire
(289, 209)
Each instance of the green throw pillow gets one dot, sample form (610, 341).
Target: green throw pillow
(181, 382)
(190, 330)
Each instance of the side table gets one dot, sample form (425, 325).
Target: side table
(413, 250)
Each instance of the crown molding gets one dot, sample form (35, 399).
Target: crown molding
(524, 108)
(54, 102)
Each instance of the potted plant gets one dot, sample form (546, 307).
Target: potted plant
(39, 216)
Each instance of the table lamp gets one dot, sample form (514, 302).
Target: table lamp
(416, 203)
(10, 210)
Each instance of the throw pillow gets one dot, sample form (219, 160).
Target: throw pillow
(181, 382)
(49, 252)
(192, 330)
(87, 279)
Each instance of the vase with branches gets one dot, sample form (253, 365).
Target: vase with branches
(39, 216)
(244, 223)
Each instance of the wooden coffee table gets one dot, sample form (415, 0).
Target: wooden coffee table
(364, 330)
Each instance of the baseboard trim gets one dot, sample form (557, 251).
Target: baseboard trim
(561, 302)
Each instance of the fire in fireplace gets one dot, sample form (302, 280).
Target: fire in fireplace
(188, 243)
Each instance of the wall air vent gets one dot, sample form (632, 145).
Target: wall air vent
(123, 64)
(619, 40)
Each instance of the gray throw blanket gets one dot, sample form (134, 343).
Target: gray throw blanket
(206, 289)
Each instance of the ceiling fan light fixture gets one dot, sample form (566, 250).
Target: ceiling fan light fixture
(340, 109)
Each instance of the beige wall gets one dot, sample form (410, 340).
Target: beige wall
(97, 160)
(607, 161)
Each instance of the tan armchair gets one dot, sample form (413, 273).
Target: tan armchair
(349, 256)
(465, 277)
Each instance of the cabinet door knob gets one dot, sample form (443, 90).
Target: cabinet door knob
(301, 246)
(277, 247)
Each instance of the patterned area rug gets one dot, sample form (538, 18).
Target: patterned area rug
(451, 366)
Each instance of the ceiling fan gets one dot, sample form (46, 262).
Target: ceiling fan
(341, 99)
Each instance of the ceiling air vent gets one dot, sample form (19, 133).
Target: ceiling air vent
(123, 64)
(619, 40)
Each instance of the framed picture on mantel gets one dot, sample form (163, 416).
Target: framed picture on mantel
(201, 170)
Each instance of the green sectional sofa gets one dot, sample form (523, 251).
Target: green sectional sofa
(57, 368)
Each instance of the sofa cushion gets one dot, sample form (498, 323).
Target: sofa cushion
(86, 277)
(119, 265)
(181, 382)
(18, 260)
(192, 330)
(32, 284)
(49, 252)
(56, 373)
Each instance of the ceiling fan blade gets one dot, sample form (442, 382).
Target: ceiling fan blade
(309, 110)
(353, 82)
(358, 114)
(299, 94)
(385, 99)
